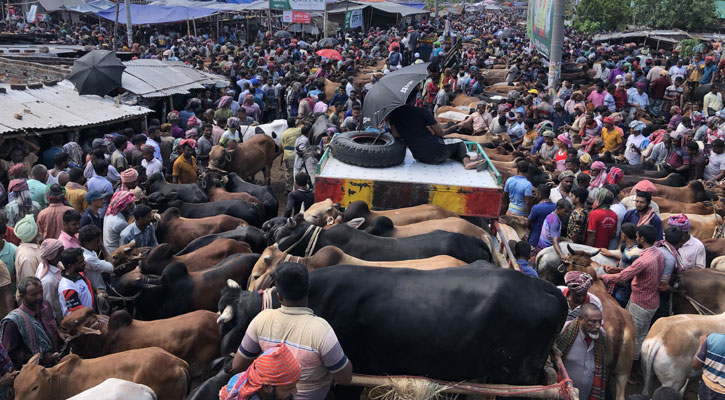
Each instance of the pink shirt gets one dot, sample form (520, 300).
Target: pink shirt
(596, 98)
(68, 241)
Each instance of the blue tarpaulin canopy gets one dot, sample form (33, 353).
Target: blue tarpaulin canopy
(144, 14)
(91, 6)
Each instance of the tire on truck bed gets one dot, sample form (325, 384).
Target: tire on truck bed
(356, 148)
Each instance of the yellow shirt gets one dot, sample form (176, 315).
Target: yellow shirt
(186, 171)
(612, 139)
(289, 137)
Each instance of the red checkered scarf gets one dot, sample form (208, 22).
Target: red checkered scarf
(566, 340)
(275, 367)
(119, 202)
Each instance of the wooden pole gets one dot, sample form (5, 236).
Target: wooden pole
(129, 25)
(188, 27)
(115, 28)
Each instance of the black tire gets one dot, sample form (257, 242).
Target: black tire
(355, 148)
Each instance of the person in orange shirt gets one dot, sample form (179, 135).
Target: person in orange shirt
(612, 136)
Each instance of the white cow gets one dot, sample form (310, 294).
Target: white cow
(273, 129)
(117, 389)
(670, 345)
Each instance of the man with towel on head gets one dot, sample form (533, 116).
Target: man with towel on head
(577, 293)
(27, 256)
(272, 376)
(50, 275)
(692, 251)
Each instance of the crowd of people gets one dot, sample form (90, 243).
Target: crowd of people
(70, 205)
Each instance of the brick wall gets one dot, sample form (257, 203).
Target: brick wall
(18, 71)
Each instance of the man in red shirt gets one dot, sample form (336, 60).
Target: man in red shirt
(658, 87)
(602, 223)
(620, 97)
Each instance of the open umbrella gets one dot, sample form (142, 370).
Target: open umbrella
(282, 34)
(391, 92)
(327, 42)
(329, 53)
(98, 72)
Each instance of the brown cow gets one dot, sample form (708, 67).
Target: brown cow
(701, 291)
(128, 253)
(194, 337)
(260, 278)
(216, 192)
(677, 207)
(178, 231)
(692, 193)
(384, 227)
(246, 159)
(167, 375)
(617, 324)
(197, 260)
(701, 226)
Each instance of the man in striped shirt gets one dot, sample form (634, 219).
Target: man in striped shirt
(310, 338)
(645, 273)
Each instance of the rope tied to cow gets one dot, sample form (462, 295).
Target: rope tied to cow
(699, 307)
(315, 231)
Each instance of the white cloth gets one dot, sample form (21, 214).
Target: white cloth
(117, 389)
(50, 288)
(579, 363)
(633, 158)
(152, 167)
(80, 287)
(95, 267)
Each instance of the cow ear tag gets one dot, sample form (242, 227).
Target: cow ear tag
(356, 222)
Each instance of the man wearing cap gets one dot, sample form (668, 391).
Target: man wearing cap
(311, 339)
(692, 251)
(150, 162)
(636, 143)
(582, 346)
(563, 191)
(90, 216)
(577, 293)
(49, 273)
(27, 255)
(712, 102)
(50, 220)
(708, 72)
(612, 136)
(272, 376)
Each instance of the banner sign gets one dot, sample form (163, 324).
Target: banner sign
(303, 5)
(353, 19)
(539, 20)
(296, 17)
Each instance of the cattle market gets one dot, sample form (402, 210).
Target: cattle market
(355, 199)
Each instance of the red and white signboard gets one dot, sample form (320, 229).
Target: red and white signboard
(300, 17)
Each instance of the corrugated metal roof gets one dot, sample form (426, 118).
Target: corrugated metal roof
(59, 106)
(156, 78)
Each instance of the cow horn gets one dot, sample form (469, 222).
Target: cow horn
(35, 359)
(291, 222)
(594, 253)
(302, 209)
(233, 284)
(226, 315)
(571, 251)
(89, 331)
(228, 156)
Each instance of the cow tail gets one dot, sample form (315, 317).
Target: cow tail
(648, 365)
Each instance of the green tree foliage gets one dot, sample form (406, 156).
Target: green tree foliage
(601, 15)
(691, 15)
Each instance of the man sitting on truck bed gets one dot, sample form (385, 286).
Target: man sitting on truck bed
(423, 136)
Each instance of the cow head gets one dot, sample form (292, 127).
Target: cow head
(220, 158)
(322, 213)
(84, 332)
(134, 282)
(128, 254)
(35, 381)
(263, 268)
(270, 227)
(161, 201)
(237, 309)
(579, 260)
(292, 232)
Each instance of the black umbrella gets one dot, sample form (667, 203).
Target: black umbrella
(391, 92)
(98, 72)
(282, 34)
(327, 42)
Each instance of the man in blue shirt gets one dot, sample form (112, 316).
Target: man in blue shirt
(517, 191)
(99, 183)
(522, 252)
(708, 71)
(539, 212)
(643, 210)
(56, 142)
(142, 231)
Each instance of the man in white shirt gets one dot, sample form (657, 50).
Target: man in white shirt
(91, 240)
(678, 70)
(74, 290)
(692, 251)
(49, 274)
(149, 162)
(635, 141)
(715, 168)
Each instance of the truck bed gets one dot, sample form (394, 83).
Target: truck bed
(449, 185)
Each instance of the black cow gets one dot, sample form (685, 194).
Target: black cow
(188, 192)
(236, 208)
(263, 193)
(673, 179)
(250, 234)
(179, 291)
(453, 324)
(368, 247)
